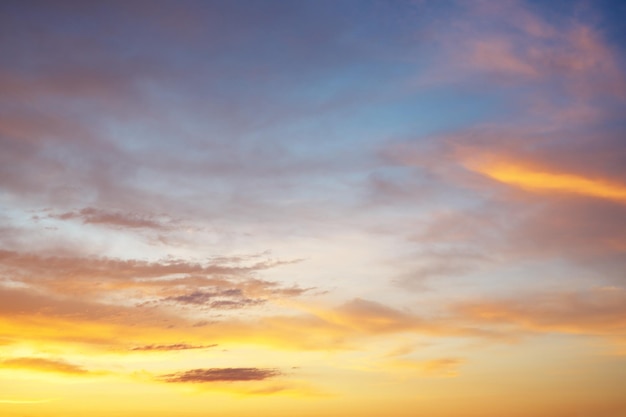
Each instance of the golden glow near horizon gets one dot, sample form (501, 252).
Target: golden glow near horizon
(5, 401)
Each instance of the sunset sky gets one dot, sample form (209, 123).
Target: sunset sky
(313, 208)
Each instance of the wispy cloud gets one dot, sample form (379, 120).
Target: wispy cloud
(221, 375)
(65, 275)
(440, 180)
(227, 299)
(446, 367)
(44, 365)
(172, 347)
(537, 179)
(91, 215)
(442, 366)
(598, 312)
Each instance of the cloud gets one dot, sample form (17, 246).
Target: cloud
(225, 299)
(445, 366)
(556, 195)
(24, 302)
(221, 375)
(99, 276)
(126, 303)
(425, 267)
(359, 319)
(537, 192)
(537, 179)
(372, 317)
(597, 312)
(199, 111)
(98, 126)
(33, 318)
(156, 328)
(515, 45)
(44, 365)
(173, 347)
(91, 215)
(197, 297)
(497, 55)
(235, 304)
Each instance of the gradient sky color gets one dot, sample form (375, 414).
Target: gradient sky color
(313, 208)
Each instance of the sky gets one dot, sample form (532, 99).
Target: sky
(338, 208)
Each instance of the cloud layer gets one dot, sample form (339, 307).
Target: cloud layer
(330, 208)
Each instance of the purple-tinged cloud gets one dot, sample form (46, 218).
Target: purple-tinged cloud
(173, 347)
(91, 215)
(221, 375)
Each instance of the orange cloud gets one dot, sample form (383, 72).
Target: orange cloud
(371, 317)
(543, 180)
(172, 280)
(440, 367)
(446, 366)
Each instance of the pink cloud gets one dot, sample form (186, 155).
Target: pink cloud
(599, 312)
(497, 55)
